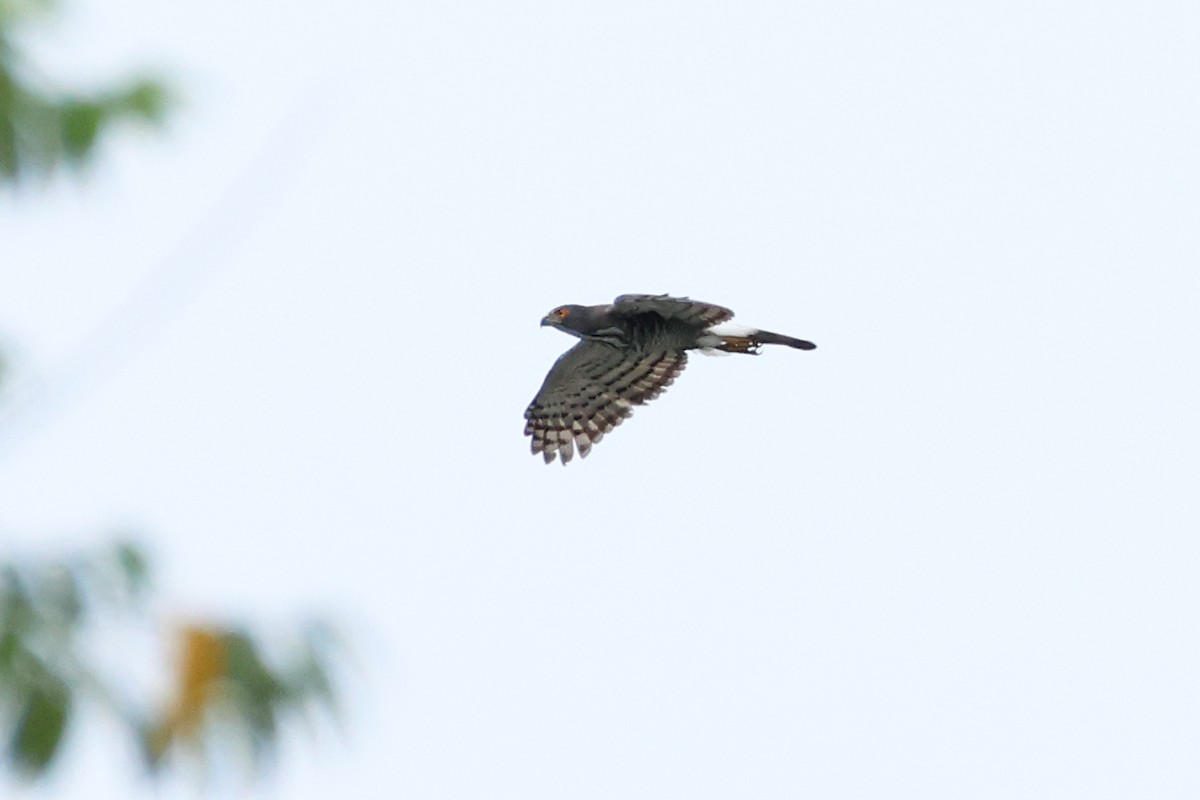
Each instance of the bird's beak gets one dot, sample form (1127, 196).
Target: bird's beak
(549, 320)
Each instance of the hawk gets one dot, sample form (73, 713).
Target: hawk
(630, 352)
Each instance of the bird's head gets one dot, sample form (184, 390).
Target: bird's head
(566, 317)
(586, 322)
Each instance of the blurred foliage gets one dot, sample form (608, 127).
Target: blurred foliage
(227, 686)
(43, 610)
(224, 687)
(42, 127)
(227, 691)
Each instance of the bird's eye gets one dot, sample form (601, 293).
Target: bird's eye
(561, 313)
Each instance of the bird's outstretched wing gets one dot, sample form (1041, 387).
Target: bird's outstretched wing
(702, 315)
(590, 390)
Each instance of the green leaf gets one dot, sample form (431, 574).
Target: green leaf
(60, 597)
(81, 121)
(40, 729)
(134, 567)
(10, 646)
(146, 99)
(257, 697)
(16, 609)
(312, 676)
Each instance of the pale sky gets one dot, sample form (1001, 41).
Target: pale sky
(952, 553)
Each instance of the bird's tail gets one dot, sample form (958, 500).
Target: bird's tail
(752, 340)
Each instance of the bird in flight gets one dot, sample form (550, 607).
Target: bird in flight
(629, 353)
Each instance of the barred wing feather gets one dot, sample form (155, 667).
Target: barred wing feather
(590, 390)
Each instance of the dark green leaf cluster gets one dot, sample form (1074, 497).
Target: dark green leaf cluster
(42, 128)
(43, 610)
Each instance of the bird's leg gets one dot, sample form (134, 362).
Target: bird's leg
(739, 344)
